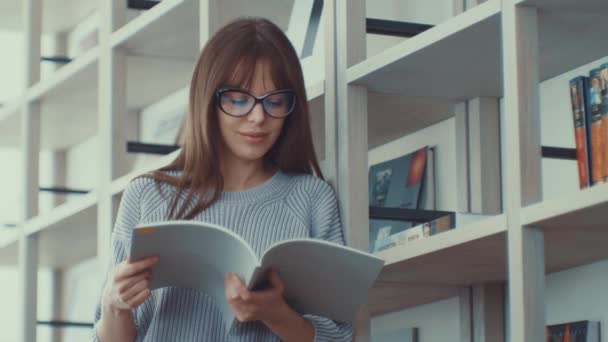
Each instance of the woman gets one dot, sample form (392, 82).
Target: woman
(247, 163)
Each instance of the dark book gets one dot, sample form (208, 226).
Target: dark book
(581, 331)
(598, 137)
(577, 100)
(604, 108)
(397, 183)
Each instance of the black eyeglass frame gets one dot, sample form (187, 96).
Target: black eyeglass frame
(220, 91)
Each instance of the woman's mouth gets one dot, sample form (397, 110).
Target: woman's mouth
(254, 137)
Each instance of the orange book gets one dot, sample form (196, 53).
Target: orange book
(604, 109)
(598, 129)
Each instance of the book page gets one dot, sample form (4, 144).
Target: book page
(194, 255)
(323, 278)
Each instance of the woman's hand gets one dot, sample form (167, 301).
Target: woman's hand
(263, 305)
(128, 285)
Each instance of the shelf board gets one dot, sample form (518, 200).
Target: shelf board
(574, 22)
(9, 246)
(168, 30)
(68, 233)
(457, 59)
(58, 15)
(575, 227)
(439, 266)
(171, 28)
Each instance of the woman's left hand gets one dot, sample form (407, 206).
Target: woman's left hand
(264, 305)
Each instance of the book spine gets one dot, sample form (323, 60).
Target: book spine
(604, 108)
(576, 100)
(598, 141)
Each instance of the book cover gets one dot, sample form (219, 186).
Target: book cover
(397, 183)
(320, 277)
(580, 130)
(604, 92)
(598, 140)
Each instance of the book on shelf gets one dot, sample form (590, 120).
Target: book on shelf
(579, 116)
(589, 101)
(598, 136)
(402, 182)
(400, 335)
(386, 240)
(581, 331)
(603, 74)
(320, 277)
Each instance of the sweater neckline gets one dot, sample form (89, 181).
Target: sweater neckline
(269, 187)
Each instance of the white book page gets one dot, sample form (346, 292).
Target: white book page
(194, 255)
(323, 278)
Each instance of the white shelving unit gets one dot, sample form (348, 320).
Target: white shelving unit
(495, 49)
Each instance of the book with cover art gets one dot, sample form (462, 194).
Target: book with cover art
(598, 139)
(582, 331)
(604, 92)
(320, 277)
(577, 94)
(397, 183)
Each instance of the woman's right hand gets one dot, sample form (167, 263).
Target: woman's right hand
(128, 285)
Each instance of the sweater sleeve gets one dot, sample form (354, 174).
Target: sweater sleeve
(326, 225)
(127, 218)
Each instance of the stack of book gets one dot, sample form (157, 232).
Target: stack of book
(589, 99)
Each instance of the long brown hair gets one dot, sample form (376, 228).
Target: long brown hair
(239, 45)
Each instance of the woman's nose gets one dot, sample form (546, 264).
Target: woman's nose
(257, 114)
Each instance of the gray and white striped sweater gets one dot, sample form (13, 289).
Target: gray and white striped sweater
(284, 207)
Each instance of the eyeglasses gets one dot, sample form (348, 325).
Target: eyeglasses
(238, 102)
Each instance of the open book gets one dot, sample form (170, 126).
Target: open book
(321, 278)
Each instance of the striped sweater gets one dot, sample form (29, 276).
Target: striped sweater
(284, 207)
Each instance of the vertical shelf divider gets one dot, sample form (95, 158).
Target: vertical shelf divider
(522, 169)
(30, 147)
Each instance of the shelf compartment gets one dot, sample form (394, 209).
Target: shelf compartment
(10, 124)
(169, 30)
(455, 60)
(74, 223)
(575, 227)
(9, 246)
(438, 267)
(575, 22)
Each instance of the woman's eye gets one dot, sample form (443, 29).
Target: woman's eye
(275, 103)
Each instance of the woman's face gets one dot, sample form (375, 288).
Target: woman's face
(248, 138)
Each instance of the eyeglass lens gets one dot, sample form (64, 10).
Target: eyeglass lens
(238, 103)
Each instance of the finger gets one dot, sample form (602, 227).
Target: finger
(130, 269)
(275, 281)
(241, 289)
(135, 289)
(139, 298)
(231, 293)
(125, 284)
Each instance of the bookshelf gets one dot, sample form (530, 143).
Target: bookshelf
(494, 49)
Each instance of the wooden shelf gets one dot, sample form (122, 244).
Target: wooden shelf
(438, 267)
(68, 233)
(58, 15)
(9, 244)
(10, 123)
(575, 227)
(455, 60)
(168, 30)
(568, 34)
